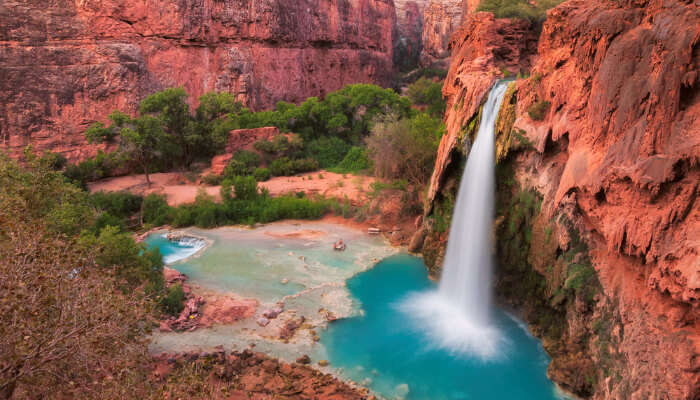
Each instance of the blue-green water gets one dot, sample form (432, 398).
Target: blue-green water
(384, 350)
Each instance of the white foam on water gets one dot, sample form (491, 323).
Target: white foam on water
(187, 247)
(458, 316)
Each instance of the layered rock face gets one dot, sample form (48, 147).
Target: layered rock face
(409, 26)
(608, 126)
(66, 64)
(440, 20)
(482, 49)
(423, 29)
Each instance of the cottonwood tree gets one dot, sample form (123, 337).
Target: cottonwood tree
(405, 148)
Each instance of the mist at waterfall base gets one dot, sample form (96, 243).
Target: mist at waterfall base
(458, 315)
(384, 350)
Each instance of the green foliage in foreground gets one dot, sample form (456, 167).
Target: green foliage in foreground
(522, 9)
(71, 213)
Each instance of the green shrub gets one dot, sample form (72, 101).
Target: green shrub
(286, 167)
(156, 210)
(92, 169)
(355, 161)
(172, 302)
(261, 174)
(521, 9)
(327, 150)
(53, 161)
(118, 251)
(245, 188)
(235, 168)
(118, 204)
(107, 219)
(212, 179)
(427, 93)
(70, 217)
(538, 109)
(248, 158)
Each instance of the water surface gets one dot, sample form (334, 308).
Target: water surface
(386, 350)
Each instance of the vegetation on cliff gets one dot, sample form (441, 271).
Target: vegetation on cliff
(523, 9)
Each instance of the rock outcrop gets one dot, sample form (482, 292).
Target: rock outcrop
(423, 29)
(599, 218)
(409, 26)
(66, 64)
(482, 50)
(249, 375)
(440, 20)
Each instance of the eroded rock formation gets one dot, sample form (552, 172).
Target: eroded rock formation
(68, 63)
(440, 20)
(598, 233)
(482, 50)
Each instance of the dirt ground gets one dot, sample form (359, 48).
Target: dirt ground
(178, 190)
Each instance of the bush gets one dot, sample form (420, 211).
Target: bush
(427, 93)
(250, 159)
(235, 168)
(118, 204)
(116, 250)
(53, 161)
(538, 109)
(355, 161)
(92, 169)
(405, 148)
(286, 167)
(156, 210)
(261, 174)
(212, 179)
(522, 9)
(245, 188)
(328, 151)
(172, 302)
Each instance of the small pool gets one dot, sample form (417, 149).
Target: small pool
(384, 350)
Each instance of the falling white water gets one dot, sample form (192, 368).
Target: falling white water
(457, 316)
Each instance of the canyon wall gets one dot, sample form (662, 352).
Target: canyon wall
(599, 222)
(67, 63)
(423, 30)
(440, 20)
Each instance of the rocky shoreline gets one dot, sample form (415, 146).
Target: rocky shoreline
(254, 375)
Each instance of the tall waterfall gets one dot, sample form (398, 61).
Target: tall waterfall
(457, 316)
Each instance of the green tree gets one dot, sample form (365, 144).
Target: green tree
(171, 108)
(216, 115)
(405, 148)
(142, 141)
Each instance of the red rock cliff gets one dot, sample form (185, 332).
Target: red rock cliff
(67, 63)
(617, 150)
(440, 20)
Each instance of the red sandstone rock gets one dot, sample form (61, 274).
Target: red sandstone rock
(241, 139)
(227, 309)
(409, 23)
(441, 19)
(66, 64)
(479, 49)
(257, 376)
(172, 276)
(618, 151)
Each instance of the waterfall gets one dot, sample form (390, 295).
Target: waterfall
(457, 315)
